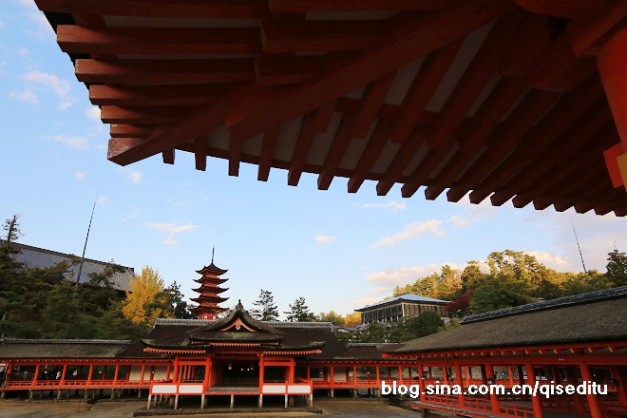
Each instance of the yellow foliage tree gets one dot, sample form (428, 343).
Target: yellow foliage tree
(146, 299)
(352, 319)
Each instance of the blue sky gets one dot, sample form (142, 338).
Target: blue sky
(338, 250)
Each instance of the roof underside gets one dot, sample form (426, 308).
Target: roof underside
(474, 96)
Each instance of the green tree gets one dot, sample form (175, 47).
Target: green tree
(176, 305)
(424, 324)
(617, 268)
(332, 316)
(499, 291)
(266, 308)
(471, 275)
(299, 312)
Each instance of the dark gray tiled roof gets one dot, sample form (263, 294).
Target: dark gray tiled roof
(593, 317)
(62, 349)
(42, 258)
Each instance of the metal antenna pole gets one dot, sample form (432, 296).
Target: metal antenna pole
(80, 266)
(578, 246)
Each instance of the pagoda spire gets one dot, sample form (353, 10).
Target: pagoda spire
(209, 298)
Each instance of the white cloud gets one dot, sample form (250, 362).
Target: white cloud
(388, 279)
(133, 213)
(26, 96)
(61, 88)
(551, 260)
(459, 221)
(394, 206)
(170, 230)
(102, 199)
(23, 52)
(411, 231)
(401, 275)
(135, 176)
(80, 175)
(324, 239)
(93, 112)
(72, 141)
(179, 203)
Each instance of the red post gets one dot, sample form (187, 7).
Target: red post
(261, 371)
(34, 381)
(620, 375)
(535, 400)
(491, 379)
(90, 373)
(593, 401)
(460, 381)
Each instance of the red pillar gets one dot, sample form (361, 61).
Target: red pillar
(90, 374)
(535, 400)
(261, 371)
(620, 375)
(460, 381)
(176, 370)
(612, 66)
(489, 378)
(593, 401)
(34, 381)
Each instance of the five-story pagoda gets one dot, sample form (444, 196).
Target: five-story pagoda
(208, 299)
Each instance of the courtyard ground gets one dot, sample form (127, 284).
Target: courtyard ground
(125, 409)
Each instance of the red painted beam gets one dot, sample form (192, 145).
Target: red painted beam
(421, 90)
(199, 9)
(370, 105)
(202, 121)
(186, 95)
(280, 37)
(267, 151)
(157, 41)
(369, 156)
(173, 72)
(420, 37)
(336, 152)
(303, 6)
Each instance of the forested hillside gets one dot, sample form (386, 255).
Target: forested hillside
(510, 278)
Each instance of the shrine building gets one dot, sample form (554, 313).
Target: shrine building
(401, 307)
(237, 359)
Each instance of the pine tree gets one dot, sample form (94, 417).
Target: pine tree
(299, 312)
(267, 309)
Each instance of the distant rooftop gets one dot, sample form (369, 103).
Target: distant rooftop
(405, 297)
(584, 298)
(35, 257)
(590, 317)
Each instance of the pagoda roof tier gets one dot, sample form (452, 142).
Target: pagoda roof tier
(207, 298)
(208, 279)
(213, 309)
(237, 330)
(210, 289)
(211, 269)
